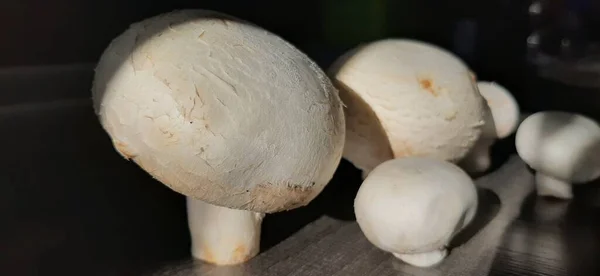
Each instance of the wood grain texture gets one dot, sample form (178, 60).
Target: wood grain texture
(508, 242)
(345, 251)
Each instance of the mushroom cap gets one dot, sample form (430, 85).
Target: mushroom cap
(560, 144)
(503, 106)
(406, 98)
(414, 204)
(220, 110)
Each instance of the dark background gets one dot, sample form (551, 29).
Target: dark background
(65, 31)
(489, 35)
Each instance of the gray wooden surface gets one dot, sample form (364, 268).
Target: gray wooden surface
(335, 247)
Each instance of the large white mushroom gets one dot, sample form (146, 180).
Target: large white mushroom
(226, 113)
(563, 148)
(502, 119)
(406, 98)
(412, 207)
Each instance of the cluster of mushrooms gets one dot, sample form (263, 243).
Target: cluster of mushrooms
(244, 124)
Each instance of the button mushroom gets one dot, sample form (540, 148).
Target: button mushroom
(406, 98)
(226, 113)
(502, 119)
(562, 148)
(413, 206)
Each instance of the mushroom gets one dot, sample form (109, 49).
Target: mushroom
(563, 148)
(406, 98)
(226, 113)
(412, 207)
(502, 119)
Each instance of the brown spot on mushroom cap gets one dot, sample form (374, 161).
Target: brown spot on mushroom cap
(427, 85)
(207, 256)
(240, 254)
(282, 196)
(124, 150)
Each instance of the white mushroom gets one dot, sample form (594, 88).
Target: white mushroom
(226, 113)
(406, 98)
(413, 206)
(503, 106)
(563, 148)
(502, 119)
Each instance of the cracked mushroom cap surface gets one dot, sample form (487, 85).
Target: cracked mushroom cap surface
(415, 205)
(220, 110)
(407, 98)
(560, 144)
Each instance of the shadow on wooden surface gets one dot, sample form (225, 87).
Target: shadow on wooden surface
(488, 206)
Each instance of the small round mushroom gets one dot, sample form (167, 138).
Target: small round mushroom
(226, 113)
(412, 207)
(502, 119)
(563, 148)
(406, 98)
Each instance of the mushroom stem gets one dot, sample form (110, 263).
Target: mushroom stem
(223, 236)
(426, 259)
(550, 186)
(479, 158)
